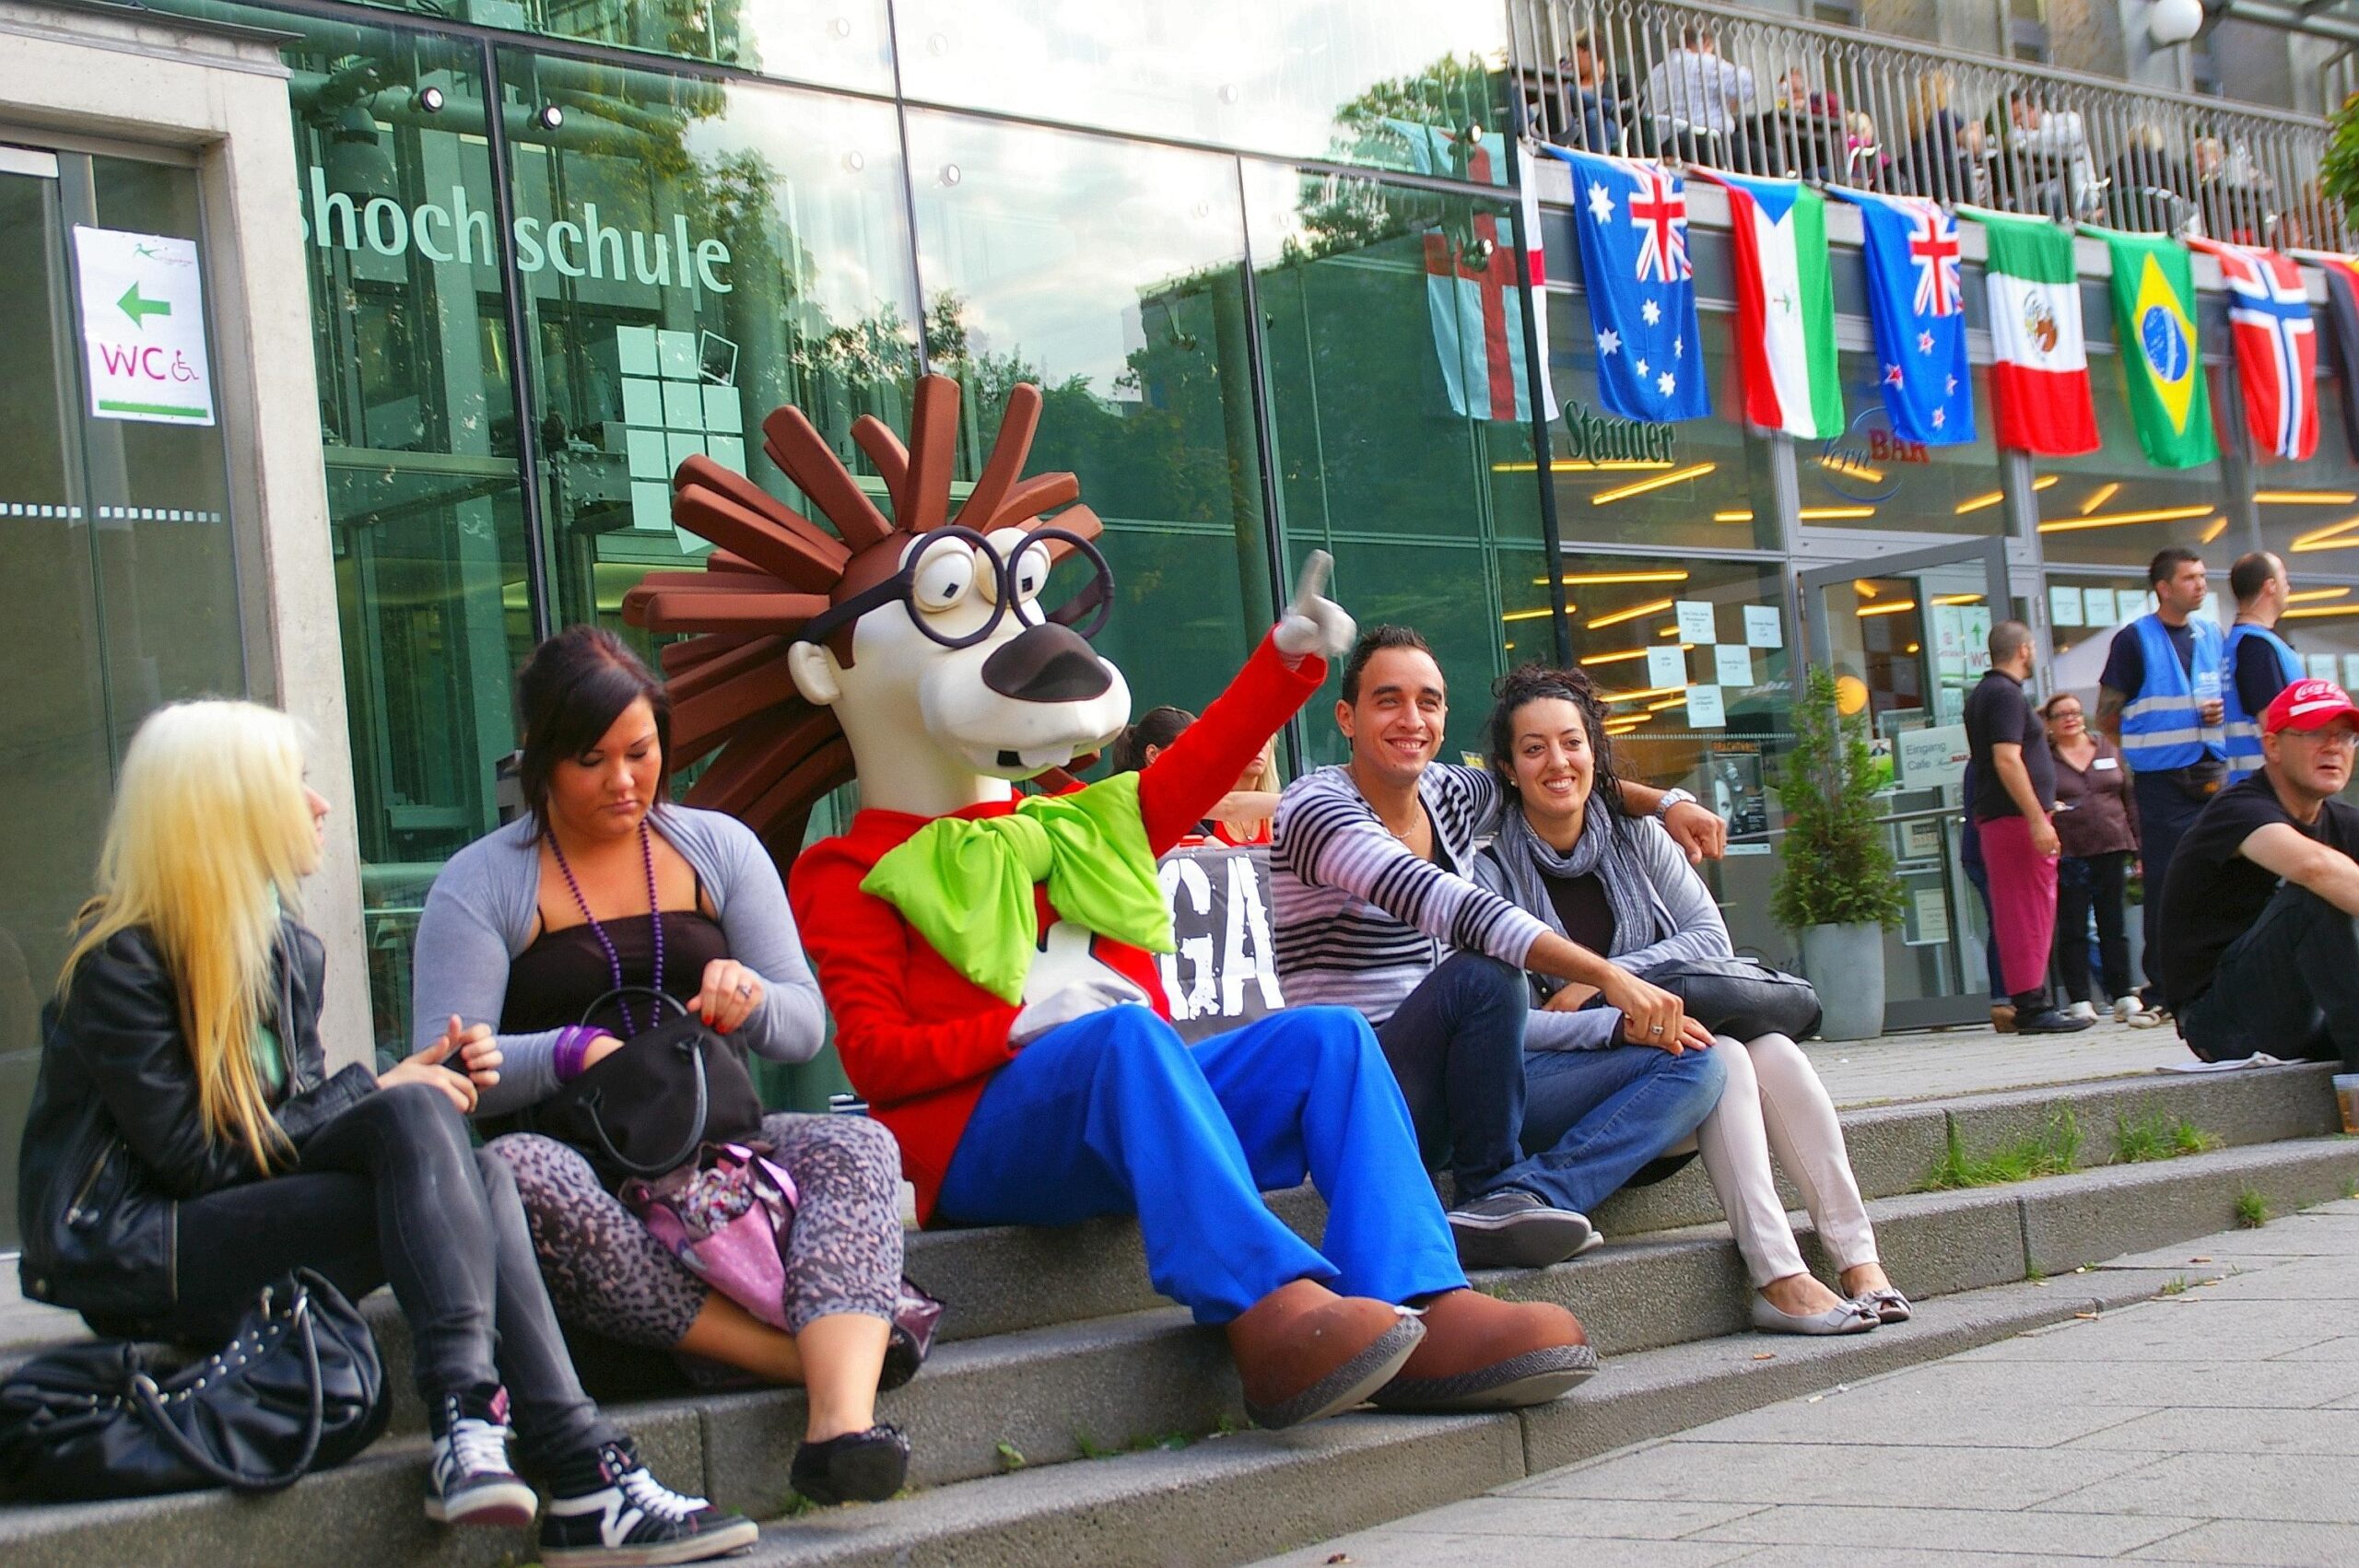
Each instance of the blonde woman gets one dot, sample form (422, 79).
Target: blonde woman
(187, 1146)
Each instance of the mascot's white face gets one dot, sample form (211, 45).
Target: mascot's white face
(952, 693)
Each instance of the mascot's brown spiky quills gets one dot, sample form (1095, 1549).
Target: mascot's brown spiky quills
(989, 960)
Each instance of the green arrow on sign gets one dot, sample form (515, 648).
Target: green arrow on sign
(139, 309)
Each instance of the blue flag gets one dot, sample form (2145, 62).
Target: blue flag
(1631, 219)
(1917, 304)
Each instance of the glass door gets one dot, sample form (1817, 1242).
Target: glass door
(1905, 636)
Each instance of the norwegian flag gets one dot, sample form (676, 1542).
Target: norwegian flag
(1934, 250)
(2277, 347)
(1658, 210)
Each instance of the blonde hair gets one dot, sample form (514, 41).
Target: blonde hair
(210, 834)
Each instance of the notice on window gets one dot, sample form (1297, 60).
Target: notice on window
(1764, 627)
(2098, 607)
(1931, 925)
(142, 304)
(2322, 666)
(1732, 666)
(1666, 667)
(1696, 622)
(1932, 757)
(2350, 670)
(2064, 608)
(1705, 709)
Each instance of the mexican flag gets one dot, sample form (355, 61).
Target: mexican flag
(2161, 370)
(1785, 301)
(2039, 371)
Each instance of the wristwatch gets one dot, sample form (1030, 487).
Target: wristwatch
(1672, 798)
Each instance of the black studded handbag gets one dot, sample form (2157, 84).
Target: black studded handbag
(301, 1387)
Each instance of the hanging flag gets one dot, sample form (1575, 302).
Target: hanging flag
(1473, 277)
(2162, 368)
(1916, 305)
(2342, 301)
(2039, 360)
(2277, 347)
(1631, 221)
(1785, 306)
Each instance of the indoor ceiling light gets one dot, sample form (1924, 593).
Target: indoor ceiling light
(2310, 610)
(1625, 653)
(1576, 580)
(1818, 514)
(1666, 691)
(1533, 614)
(2306, 594)
(2305, 498)
(2213, 530)
(1655, 482)
(2120, 520)
(2319, 538)
(1632, 614)
(1892, 608)
(2099, 496)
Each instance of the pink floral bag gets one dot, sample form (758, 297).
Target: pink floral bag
(721, 1218)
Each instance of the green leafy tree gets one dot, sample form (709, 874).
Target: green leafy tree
(2338, 168)
(1837, 866)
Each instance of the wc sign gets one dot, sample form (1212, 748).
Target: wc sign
(142, 305)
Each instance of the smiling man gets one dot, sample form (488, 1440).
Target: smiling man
(2259, 948)
(1375, 911)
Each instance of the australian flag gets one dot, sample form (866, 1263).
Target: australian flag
(1631, 219)
(1917, 304)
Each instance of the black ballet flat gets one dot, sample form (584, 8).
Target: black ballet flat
(859, 1467)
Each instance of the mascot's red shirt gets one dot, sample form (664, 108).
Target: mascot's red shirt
(920, 1040)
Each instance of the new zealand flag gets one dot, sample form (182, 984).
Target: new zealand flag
(1918, 308)
(1631, 219)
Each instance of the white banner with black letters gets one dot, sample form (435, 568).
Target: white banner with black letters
(1225, 973)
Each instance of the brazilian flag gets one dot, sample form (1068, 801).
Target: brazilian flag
(2161, 370)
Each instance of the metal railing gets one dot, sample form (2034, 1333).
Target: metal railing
(1754, 94)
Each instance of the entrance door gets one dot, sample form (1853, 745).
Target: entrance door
(1905, 636)
(116, 561)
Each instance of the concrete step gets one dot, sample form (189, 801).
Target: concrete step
(1060, 1392)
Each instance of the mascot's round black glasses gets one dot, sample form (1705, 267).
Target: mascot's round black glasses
(939, 573)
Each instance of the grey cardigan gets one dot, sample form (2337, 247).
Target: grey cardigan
(486, 901)
(1683, 906)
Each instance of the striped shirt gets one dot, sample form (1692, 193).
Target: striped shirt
(1360, 919)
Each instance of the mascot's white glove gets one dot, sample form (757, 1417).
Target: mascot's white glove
(1093, 993)
(1314, 623)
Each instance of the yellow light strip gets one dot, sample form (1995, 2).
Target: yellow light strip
(1957, 599)
(1576, 580)
(2099, 496)
(1666, 691)
(1853, 466)
(1640, 486)
(1579, 465)
(1988, 498)
(1863, 588)
(1626, 653)
(2323, 610)
(1894, 608)
(1632, 614)
(2117, 520)
(2309, 594)
(2314, 539)
(1821, 514)
(1541, 614)
(2341, 541)
(1739, 515)
(1666, 703)
(1672, 630)
(2305, 498)
(2046, 481)
(2213, 530)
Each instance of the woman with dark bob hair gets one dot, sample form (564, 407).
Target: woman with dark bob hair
(604, 884)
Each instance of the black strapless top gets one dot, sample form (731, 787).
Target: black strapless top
(563, 972)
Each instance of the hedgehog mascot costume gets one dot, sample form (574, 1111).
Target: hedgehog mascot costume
(988, 957)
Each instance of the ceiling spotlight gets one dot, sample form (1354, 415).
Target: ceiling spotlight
(550, 117)
(430, 100)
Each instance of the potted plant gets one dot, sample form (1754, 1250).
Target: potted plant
(1836, 885)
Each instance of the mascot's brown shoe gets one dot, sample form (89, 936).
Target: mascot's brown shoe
(1483, 1354)
(1303, 1352)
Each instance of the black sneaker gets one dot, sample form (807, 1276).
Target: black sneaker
(1515, 1229)
(2051, 1020)
(606, 1511)
(859, 1467)
(468, 1482)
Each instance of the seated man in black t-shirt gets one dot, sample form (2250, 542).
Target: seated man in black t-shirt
(2259, 950)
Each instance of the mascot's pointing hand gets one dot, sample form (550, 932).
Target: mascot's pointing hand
(1313, 623)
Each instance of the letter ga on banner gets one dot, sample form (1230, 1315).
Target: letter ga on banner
(1225, 972)
(142, 304)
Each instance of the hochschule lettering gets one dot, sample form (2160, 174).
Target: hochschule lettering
(459, 232)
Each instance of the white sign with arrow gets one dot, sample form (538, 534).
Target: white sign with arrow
(142, 327)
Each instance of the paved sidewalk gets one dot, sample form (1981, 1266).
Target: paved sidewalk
(1940, 1063)
(2219, 1425)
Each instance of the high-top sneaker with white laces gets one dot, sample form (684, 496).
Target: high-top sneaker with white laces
(469, 1481)
(606, 1511)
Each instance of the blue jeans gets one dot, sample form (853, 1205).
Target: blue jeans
(1114, 1114)
(1569, 1126)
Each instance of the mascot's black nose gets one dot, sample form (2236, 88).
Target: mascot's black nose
(1046, 663)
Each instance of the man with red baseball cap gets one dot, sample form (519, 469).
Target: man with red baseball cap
(2259, 950)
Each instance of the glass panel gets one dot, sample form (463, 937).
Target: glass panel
(1700, 482)
(2111, 508)
(1110, 274)
(831, 43)
(1339, 79)
(2084, 609)
(1870, 478)
(695, 254)
(2309, 511)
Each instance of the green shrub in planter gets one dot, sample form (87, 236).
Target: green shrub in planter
(1837, 864)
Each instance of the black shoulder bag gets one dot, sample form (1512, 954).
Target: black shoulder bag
(649, 1107)
(1741, 998)
(301, 1387)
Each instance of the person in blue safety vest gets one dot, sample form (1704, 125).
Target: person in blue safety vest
(2161, 700)
(2257, 659)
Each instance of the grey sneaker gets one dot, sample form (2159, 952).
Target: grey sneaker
(1515, 1229)
(468, 1480)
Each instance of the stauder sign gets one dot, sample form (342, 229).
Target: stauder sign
(1614, 440)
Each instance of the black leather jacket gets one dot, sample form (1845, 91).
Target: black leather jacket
(115, 1140)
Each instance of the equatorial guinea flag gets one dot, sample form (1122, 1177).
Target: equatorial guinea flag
(2277, 347)
(2039, 360)
(1785, 305)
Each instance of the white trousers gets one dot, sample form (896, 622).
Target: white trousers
(1774, 1103)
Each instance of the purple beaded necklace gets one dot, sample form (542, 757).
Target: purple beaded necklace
(654, 918)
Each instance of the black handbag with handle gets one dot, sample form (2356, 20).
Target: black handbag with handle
(1741, 998)
(648, 1109)
(300, 1387)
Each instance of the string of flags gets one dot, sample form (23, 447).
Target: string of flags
(1630, 226)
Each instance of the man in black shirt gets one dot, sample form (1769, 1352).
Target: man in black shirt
(2259, 950)
(2014, 793)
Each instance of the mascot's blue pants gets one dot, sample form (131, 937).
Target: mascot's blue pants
(1114, 1114)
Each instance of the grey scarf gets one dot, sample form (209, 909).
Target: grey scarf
(1604, 848)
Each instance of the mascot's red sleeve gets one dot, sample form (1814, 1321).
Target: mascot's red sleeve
(919, 1040)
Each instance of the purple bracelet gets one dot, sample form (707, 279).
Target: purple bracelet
(572, 1046)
